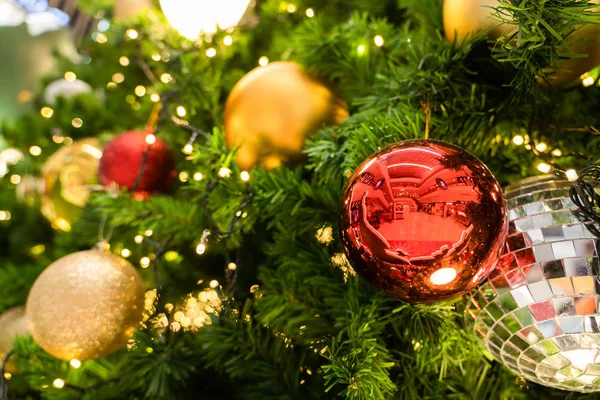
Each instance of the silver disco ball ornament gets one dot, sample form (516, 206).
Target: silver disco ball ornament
(538, 312)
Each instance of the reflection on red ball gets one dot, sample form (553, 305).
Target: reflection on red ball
(423, 220)
(122, 159)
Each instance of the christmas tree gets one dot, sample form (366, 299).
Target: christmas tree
(193, 206)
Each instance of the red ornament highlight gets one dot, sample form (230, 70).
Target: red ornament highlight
(122, 160)
(423, 220)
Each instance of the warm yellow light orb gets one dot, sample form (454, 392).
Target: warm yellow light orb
(192, 18)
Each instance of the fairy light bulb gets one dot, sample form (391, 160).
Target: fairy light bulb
(545, 168)
(58, 383)
(187, 149)
(518, 140)
(75, 363)
(192, 18)
(571, 175)
(378, 40)
(245, 176)
(310, 12)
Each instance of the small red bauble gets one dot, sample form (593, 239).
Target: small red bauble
(122, 159)
(423, 220)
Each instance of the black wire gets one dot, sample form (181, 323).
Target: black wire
(584, 196)
(3, 385)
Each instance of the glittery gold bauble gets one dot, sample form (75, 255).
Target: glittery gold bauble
(584, 40)
(13, 323)
(85, 305)
(273, 109)
(465, 17)
(68, 175)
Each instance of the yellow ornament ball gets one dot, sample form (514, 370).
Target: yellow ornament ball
(584, 40)
(85, 305)
(465, 17)
(68, 175)
(273, 109)
(13, 323)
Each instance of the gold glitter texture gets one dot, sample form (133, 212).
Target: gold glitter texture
(85, 305)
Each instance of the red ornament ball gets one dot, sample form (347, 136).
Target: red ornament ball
(423, 220)
(122, 160)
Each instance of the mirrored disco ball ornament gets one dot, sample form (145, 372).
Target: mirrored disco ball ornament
(538, 311)
(423, 220)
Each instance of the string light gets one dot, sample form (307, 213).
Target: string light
(156, 57)
(214, 284)
(571, 175)
(198, 176)
(227, 40)
(103, 25)
(201, 248)
(245, 176)
(231, 266)
(126, 253)
(224, 172)
(541, 147)
(7, 376)
(263, 61)
(181, 111)
(118, 77)
(15, 179)
(35, 150)
(47, 112)
(378, 40)
(58, 383)
(545, 168)
(77, 123)
(101, 38)
(149, 232)
(4, 215)
(132, 33)
(184, 176)
(70, 76)
(310, 12)
(291, 8)
(518, 140)
(75, 363)
(140, 91)
(187, 149)
(130, 99)
(150, 139)
(361, 49)
(588, 81)
(211, 52)
(58, 139)
(138, 239)
(556, 153)
(124, 61)
(145, 262)
(155, 97)
(111, 85)
(166, 77)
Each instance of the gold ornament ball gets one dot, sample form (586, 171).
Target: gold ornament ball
(273, 109)
(85, 305)
(584, 40)
(13, 323)
(465, 17)
(68, 175)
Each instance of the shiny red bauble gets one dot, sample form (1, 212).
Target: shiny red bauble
(121, 163)
(423, 220)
